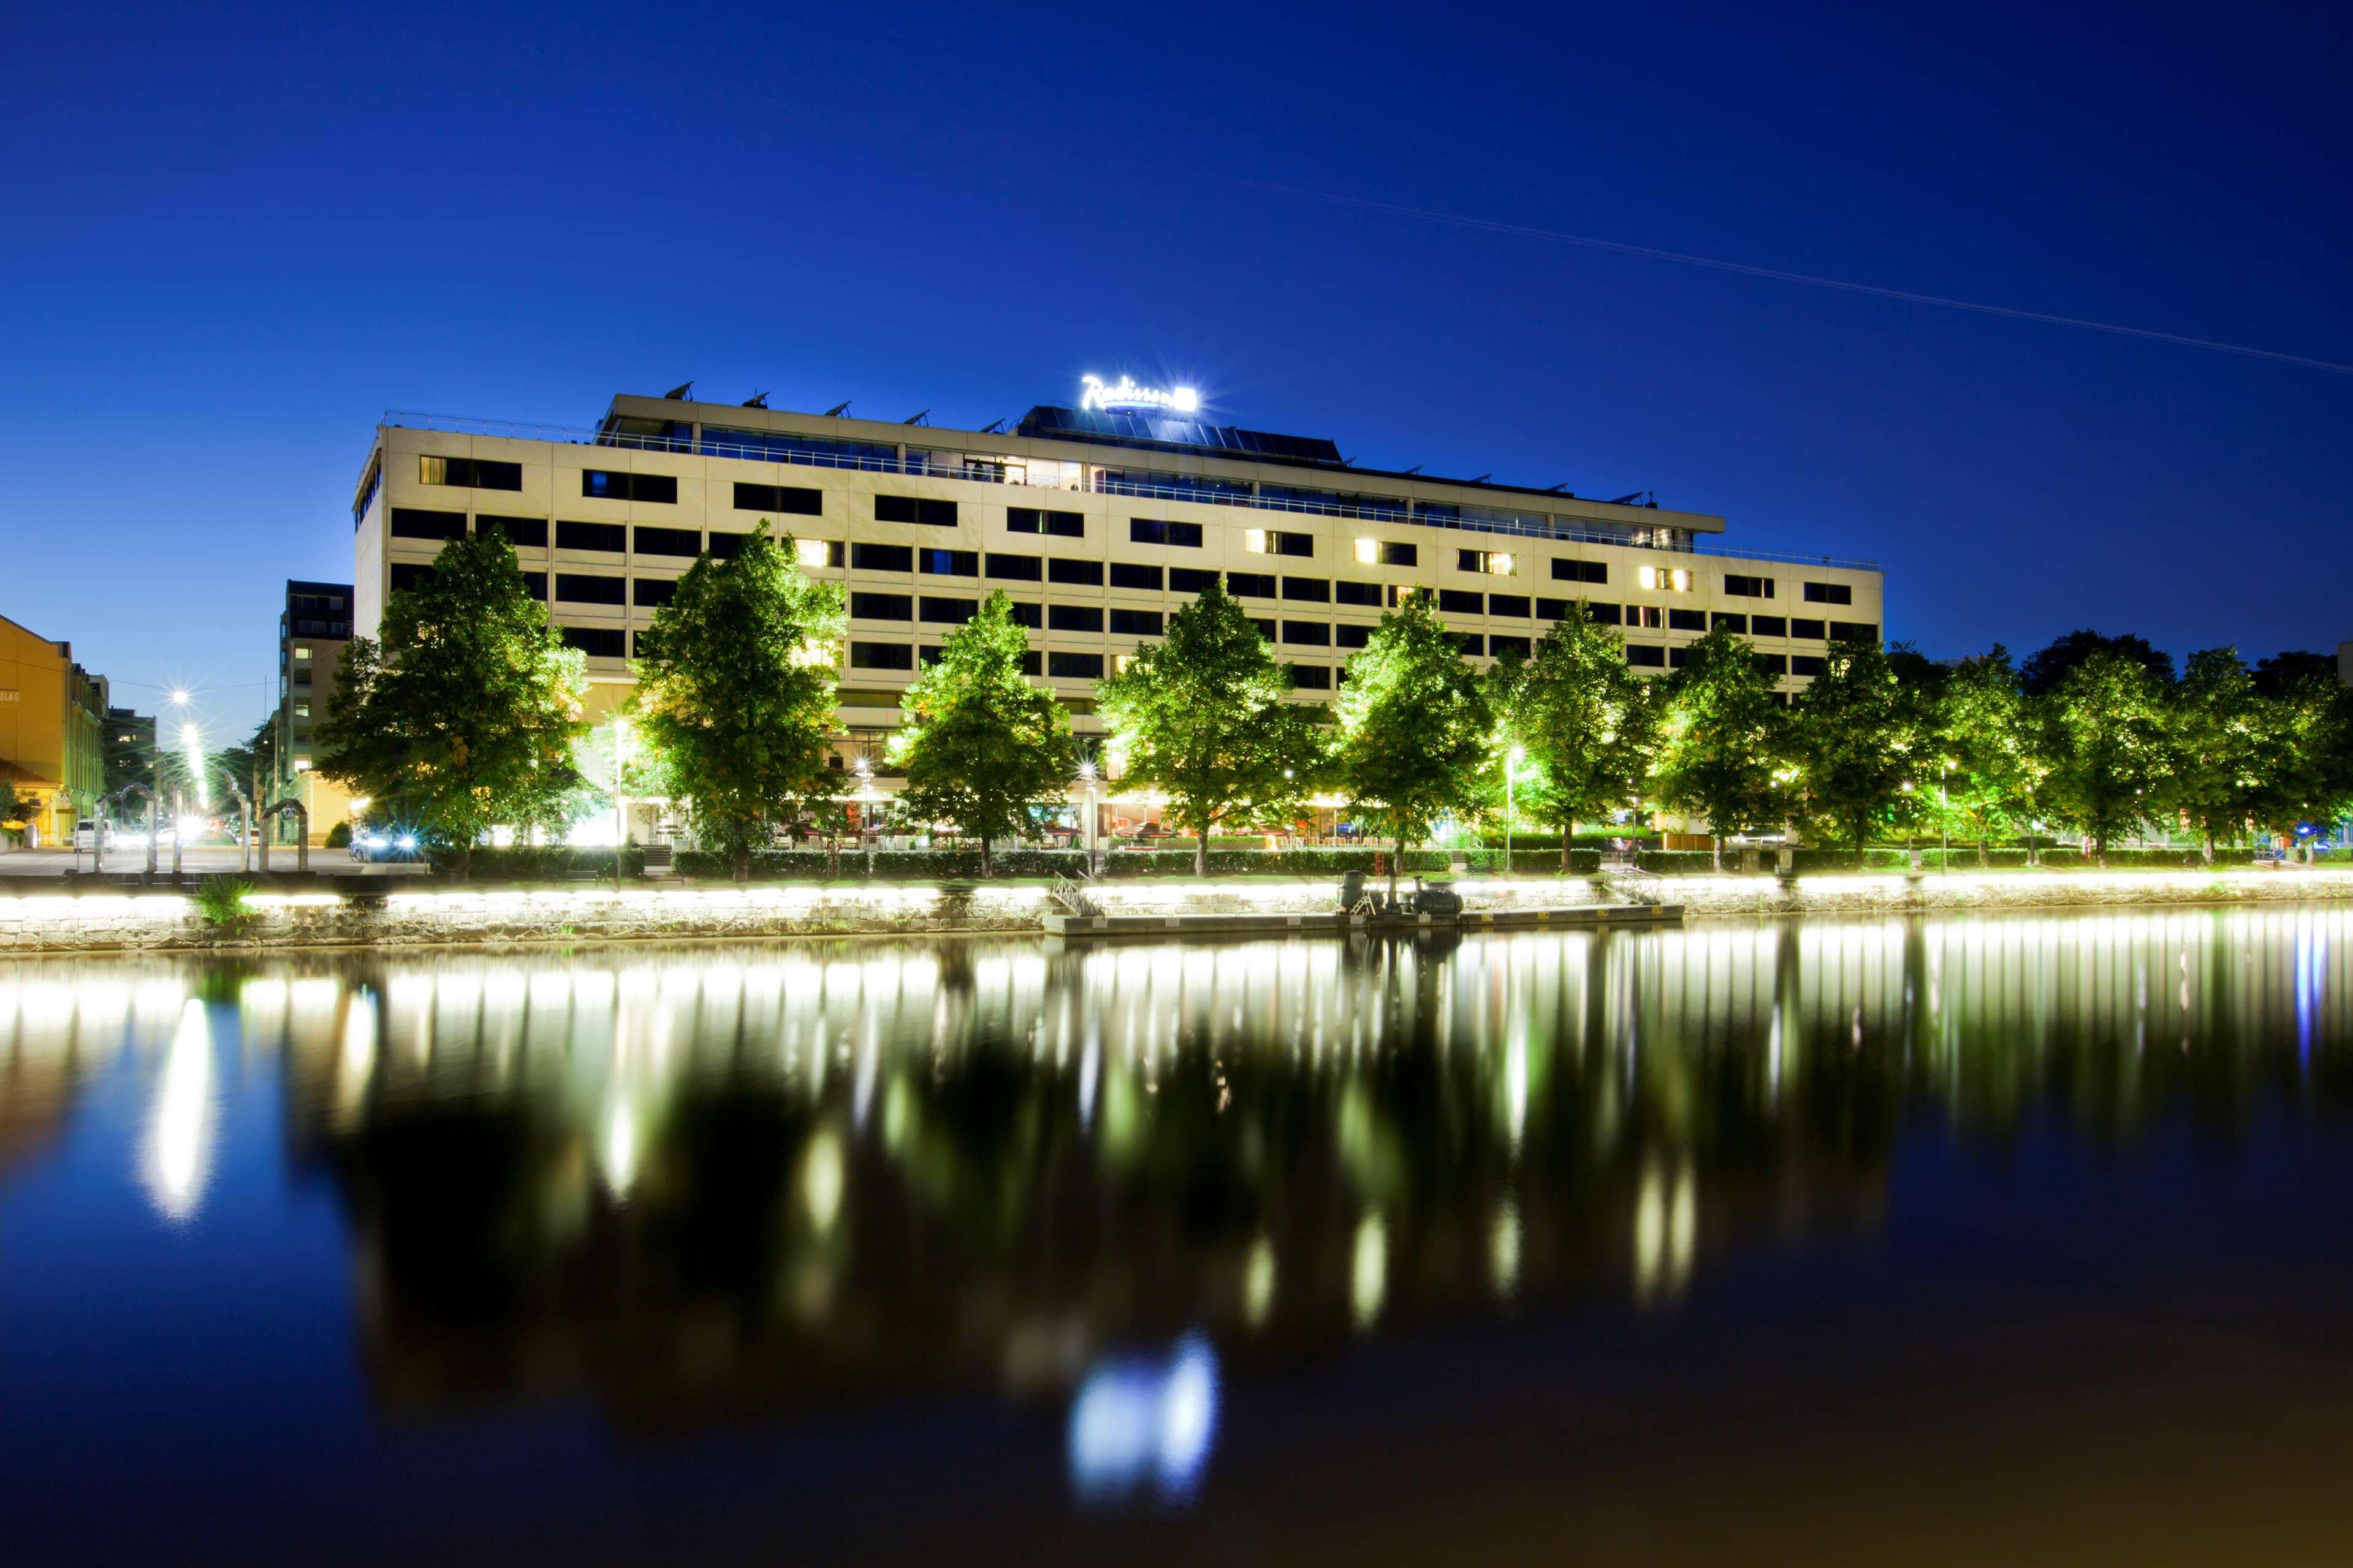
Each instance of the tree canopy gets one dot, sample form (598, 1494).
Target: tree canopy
(1415, 729)
(2040, 674)
(2103, 736)
(1584, 719)
(1858, 742)
(1720, 736)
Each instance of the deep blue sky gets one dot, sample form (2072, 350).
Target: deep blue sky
(233, 240)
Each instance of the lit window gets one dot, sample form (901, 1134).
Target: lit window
(301, 765)
(1673, 580)
(1493, 563)
(1254, 541)
(1120, 661)
(301, 653)
(1369, 553)
(301, 710)
(810, 551)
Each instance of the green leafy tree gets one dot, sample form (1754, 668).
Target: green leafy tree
(1719, 739)
(463, 717)
(1205, 717)
(2040, 676)
(736, 695)
(2227, 751)
(1986, 766)
(1415, 729)
(2311, 779)
(979, 745)
(1857, 742)
(2103, 737)
(1584, 720)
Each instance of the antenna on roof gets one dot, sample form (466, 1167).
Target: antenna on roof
(1638, 499)
(677, 393)
(757, 400)
(1415, 470)
(1483, 479)
(995, 427)
(915, 418)
(834, 412)
(1560, 489)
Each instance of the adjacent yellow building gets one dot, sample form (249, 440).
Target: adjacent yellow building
(52, 733)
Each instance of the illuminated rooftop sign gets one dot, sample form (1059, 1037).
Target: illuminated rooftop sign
(1127, 397)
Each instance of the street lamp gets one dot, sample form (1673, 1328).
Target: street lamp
(1510, 770)
(1089, 775)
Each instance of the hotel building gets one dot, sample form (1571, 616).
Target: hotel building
(1100, 519)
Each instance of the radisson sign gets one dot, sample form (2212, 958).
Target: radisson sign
(1126, 397)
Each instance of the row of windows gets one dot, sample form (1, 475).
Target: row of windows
(476, 473)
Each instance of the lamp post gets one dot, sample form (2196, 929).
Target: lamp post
(1092, 776)
(620, 808)
(1510, 772)
(1945, 815)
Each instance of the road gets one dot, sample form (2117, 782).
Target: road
(196, 857)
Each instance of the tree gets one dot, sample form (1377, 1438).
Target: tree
(462, 718)
(1584, 718)
(2225, 753)
(1414, 727)
(2284, 672)
(1719, 739)
(2311, 722)
(735, 695)
(2042, 674)
(979, 745)
(1205, 717)
(1857, 741)
(2101, 735)
(1987, 768)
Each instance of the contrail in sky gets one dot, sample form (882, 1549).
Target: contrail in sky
(1526, 231)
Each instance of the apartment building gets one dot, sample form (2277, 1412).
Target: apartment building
(52, 733)
(1101, 519)
(313, 629)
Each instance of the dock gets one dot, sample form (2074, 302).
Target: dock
(1106, 927)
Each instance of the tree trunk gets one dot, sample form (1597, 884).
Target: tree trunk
(1568, 837)
(465, 860)
(985, 861)
(2100, 851)
(2210, 847)
(1396, 859)
(1984, 858)
(1201, 849)
(1715, 848)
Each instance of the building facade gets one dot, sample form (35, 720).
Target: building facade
(313, 630)
(1098, 520)
(53, 735)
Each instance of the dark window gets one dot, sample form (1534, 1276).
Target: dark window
(883, 557)
(1031, 520)
(790, 498)
(1580, 572)
(1084, 574)
(1499, 647)
(1265, 628)
(1462, 602)
(1311, 678)
(1135, 623)
(535, 584)
(597, 642)
(1030, 662)
(1508, 604)
(666, 542)
(882, 606)
(1772, 663)
(725, 546)
(1074, 617)
(655, 589)
(1314, 634)
(1649, 616)
(1642, 655)
(1677, 657)
(1768, 626)
(1149, 531)
(1722, 622)
(407, 575)
(1015, 568)
(1189, 579)
(1855, 631)
(949, 562)
(1356, 593)
(479, 473)
(881, 655)
(1401, 555)
(1251, 584)
(1687, 620)
(609, 537)
(1280, 542)
(1030, 616)
(1830, 594)
(522, 532)
(587, 588)
(1074, 666)
(1807, 664)
(1400, 592)
(407, 523)
(931, 655)
(646, 643)
(660, 488)
(949, 612)
(1470, 645)
(1307, 590)
(1815, 630)
(1347, 635)
(912, 509)
(1128, 574)
(1604, 615)
(1552, 609)
(1739, 587)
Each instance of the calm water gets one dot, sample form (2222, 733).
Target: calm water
(1834, 1241)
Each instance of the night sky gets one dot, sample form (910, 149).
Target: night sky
(233, 242)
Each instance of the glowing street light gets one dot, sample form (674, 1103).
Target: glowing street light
(191, 741)
(181, 695)
(1512, 760)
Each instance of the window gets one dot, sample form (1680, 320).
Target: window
(1380, 552)
(1807, 663)
(522, 532)
(1357, 592)
(1074, 666)
(478, 473)
(1135, 623)
(1399, 593)
(1462, 602)
(1494, 562)
(787, 499)
(881, 655)
(302, 710)
(1251, 584)
(1855, 631)
(1722, 622)
(1650, 657)
(1508, 604)
(1308, 590)
(1074, 617)
(654, 591)
(407, 523)
(1016, 568)
(949, 612)
(1347, 636)
(645, 643)
(1687, 620)
(1604, 615)
(666, 541)
(882, 606)
(608, 537)
(1276, 541)
(1669, 580)
(1773, 663)
(658, 489)
(535, 584)
(597, 642)
(1031, 520)
(301, 653)
(1147, 531)
(809, 553)
(1030, 616)
(1649, 616)
(1498, 647)
(1080, 573)
(1314, 634)
(1580, 572)
(1030, 663)
(1310, 677)
(1739, 587)
(1830, 594)
(1677, 657)
(1552, 609)
(914, 508)
(1814, 630)
(407, 575)
(589, 588)
(1768, 626)
(1470, 644)
(1128, 574)
(1265, 628)
(1189, 579)
(948, 562)
(883, 557)
(725, 546)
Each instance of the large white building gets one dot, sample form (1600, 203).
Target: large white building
(1099, 520)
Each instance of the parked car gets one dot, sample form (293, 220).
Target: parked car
(378, 845)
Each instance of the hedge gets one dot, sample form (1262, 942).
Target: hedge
(535, 863)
